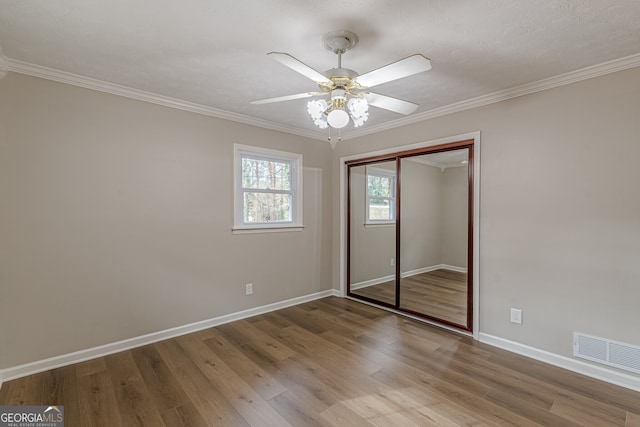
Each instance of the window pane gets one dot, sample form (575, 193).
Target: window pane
(267, 207)
(379, 186)
(265, 174)
(380, 209)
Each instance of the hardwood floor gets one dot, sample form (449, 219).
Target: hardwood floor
(439, 293)
(331, 362)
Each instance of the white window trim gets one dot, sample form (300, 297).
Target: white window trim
(372, 170)
(239, 226)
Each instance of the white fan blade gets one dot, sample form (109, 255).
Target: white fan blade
(285, 98)
(295, 65)
(404, 68)
(391, 104)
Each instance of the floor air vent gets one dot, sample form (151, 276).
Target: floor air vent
(612, 353)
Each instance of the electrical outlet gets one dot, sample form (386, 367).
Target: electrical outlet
(248, 288)
(391, 262)
(516, 316)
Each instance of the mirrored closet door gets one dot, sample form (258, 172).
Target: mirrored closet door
(434, 235)
(373, 231)
(410, 230)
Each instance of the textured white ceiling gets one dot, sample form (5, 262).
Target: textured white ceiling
(212, 52)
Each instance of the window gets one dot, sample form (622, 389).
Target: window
(268, 189)
(381, 196)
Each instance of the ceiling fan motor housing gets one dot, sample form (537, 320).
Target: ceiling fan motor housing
(338, 93)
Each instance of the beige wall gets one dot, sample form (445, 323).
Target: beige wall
(454, 203)
(116, 215)
(372, 247)
(559, 208)
(421, 216)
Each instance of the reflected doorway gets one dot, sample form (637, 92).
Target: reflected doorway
(410, 232)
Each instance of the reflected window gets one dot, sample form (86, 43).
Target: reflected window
(381, 195)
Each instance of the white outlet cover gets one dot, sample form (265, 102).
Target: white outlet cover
(516, 316)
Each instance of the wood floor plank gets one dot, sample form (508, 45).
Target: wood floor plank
(245, 332)
(210, 403)
(529, 410)
(249, 404)
(97, 401)
(324, 352)
(330, 362)
(304, 317)
(263, 382)
(397, 419)
(134, 400)
(515, 384)
(441, 410)
(298, 408)
(164, 389)
(90, 367)
(61, 389)
(341, 415)
(26, 392)
(416, 412)
(12, 392)
(598, 391)
(184, 416)
(586, 411)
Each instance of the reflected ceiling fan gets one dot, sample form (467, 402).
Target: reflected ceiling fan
(343, 93)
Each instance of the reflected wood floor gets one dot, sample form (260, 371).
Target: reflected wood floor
(439, 293)
(331, 362)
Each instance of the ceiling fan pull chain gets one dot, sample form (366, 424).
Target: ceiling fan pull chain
(331, 141)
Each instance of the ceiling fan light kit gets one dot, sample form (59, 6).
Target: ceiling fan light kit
(347, 94)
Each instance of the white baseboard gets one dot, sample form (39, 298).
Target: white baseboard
(433, 268)
(420, 270)
(453, 268)
(372, 282)
(104, 350)
(409, 273)
(584, 368)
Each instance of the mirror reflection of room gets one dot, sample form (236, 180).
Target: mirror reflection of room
(426, 198)
(373, 231)
(434, 235)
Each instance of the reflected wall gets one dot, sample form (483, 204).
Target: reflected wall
(434, 235)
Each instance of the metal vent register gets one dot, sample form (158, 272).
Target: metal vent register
(612, 353)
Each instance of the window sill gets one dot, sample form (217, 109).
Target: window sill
(256, 230)
(379, 224)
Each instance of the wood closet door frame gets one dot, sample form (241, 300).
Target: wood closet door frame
(397, 157)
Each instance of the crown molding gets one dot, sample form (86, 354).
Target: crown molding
(441, 166)
(127, 92)
(609, 67)
(598, 70)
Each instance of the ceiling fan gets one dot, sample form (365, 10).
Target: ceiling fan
(343, 93)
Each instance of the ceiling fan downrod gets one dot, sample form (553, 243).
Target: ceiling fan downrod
(339, 42)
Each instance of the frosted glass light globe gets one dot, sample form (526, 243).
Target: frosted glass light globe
(316, 108)
(338, 119)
